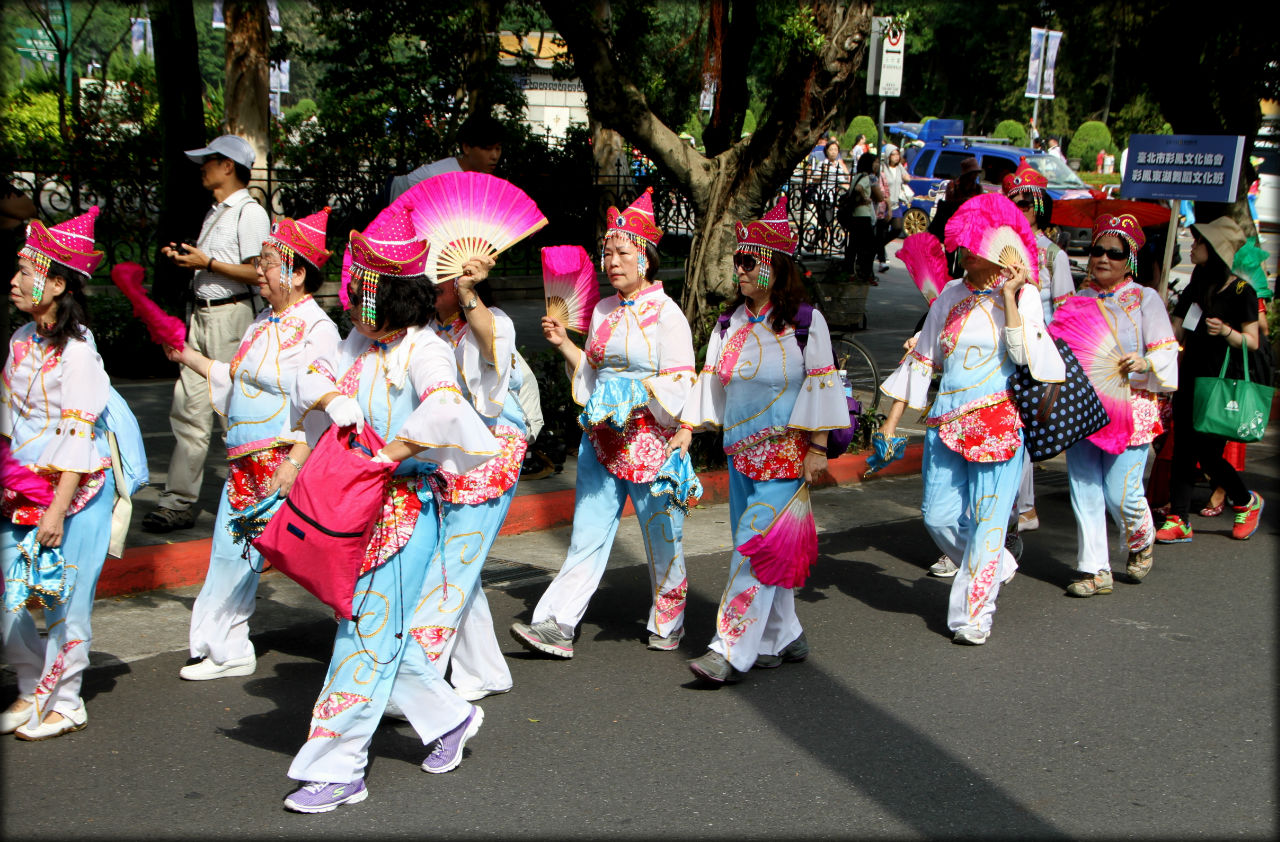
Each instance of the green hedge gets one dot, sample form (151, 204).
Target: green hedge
(1085, 143)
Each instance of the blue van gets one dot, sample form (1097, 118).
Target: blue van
(945, 145)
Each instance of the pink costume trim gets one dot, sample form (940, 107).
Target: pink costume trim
(492, 479)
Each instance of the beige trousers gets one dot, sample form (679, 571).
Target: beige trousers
(215, 332)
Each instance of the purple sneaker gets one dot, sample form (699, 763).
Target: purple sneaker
(447, 754)
(321, 797)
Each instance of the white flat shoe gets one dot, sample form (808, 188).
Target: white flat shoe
(12, 720)
(209, 669)
(73, 721)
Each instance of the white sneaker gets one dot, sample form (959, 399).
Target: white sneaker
(474, 694)
(209, 669)
(1028, 521)
(11, 720)
(970, 636)
(943, 568)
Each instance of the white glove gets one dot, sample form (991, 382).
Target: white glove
(380, 456)
(345, 411)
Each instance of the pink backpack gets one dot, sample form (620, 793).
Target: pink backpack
(319, 536)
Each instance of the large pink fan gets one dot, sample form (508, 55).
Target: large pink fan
(1080, 322)
(570, 285)
(19, 478)
(992, 227)
(465, 215)
(164, 329)
(783, 553)
(926, 263)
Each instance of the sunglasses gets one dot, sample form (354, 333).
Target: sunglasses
(1024, 204)
(1114, 254)
(745, 262)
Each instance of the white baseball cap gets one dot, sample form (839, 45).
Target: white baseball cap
(229, 146)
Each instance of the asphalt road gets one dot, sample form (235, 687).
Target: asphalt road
(1147, 713)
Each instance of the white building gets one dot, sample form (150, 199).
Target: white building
(554, 104)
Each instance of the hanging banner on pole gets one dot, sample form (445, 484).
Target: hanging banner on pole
(1052, 40)
(1036, 62)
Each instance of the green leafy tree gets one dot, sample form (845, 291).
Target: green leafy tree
(816, 53)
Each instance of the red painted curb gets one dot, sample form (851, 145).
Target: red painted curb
(184, 563)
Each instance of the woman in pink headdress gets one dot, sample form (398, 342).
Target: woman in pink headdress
(769, 382)
(56, 527)
(1102, 481)
(399, 378)
(976, 332)
(632, 380)
(252, 392)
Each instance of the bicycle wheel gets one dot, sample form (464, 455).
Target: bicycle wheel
(860, 370)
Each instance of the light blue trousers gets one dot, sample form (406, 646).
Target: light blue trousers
(754, 618)
(966, 509)
(452, 620)
(376, 660)
(52, 668)
(1103, 482)
(597, 510)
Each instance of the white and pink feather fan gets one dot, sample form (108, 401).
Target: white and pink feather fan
(784, 552)
(464, 215)
(926, 263)
(993, 228)
(570, 286)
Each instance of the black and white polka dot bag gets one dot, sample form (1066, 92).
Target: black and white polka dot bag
(1056, 415)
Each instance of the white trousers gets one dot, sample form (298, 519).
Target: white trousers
(220, 616)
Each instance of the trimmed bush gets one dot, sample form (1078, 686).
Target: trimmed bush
(860, 125)
(1014, 131)
(1091, 137)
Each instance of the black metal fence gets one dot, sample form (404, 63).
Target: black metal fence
(126, 229)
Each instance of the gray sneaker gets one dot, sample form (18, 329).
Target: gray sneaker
(1088, 585)
(545, 637)
(943, 568)
(713, 667)
(665, 644)
(794, 652)
(1140, 562)
(970, 636)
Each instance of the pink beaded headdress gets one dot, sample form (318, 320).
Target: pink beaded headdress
(761, 237)
(389, 246)
(300, 238)
(69, 243)
(1126, 227)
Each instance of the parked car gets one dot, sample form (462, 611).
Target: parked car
(945, 145)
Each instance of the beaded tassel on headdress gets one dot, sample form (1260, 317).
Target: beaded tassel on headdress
(368, 294)
(42, 262)
(286, 267)
(762, 237)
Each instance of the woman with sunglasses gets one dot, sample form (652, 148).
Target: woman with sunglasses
(632, 380)
(1104, 482)
(975, 333)
(1029, 190)
(264, 455)
(1216, 315)
(775, 394)
(397, 376)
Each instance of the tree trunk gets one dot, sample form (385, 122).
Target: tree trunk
(736, 184)
(182, 200)
(612, 170)
(248, 77)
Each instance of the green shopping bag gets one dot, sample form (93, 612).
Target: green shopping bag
(1234, 409)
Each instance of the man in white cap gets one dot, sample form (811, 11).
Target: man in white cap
(222, 258)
